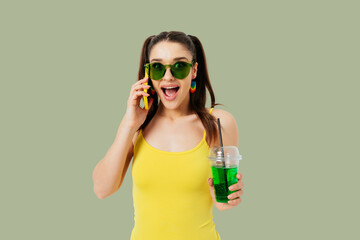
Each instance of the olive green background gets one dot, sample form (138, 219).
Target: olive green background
(288, 71)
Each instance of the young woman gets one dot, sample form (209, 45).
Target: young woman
(173, 191)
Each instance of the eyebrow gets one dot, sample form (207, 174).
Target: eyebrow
(178, 58)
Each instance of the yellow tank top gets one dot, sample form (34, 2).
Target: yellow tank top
(171, 193)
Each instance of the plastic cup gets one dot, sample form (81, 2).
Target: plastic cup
(224, 170)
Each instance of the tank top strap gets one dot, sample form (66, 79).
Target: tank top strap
(211, 109)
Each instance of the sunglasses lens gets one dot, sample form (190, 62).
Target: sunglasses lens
(157, 71)
(180, 70)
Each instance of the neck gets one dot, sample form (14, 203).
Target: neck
(175, 113)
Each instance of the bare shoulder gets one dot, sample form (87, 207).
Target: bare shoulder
(229, 128)
(223, 115)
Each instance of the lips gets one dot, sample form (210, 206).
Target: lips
(169, 86)
(170, 91)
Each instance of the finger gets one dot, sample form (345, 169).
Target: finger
(239, 176)
(140, 87)
(142, 81)
(236, 194)
(239, 185)
(137, 98)
(211, 183)
(235, 202)
(141, 93)
(236, 186)
(137, 95)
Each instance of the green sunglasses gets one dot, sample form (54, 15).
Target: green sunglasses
(179, 70)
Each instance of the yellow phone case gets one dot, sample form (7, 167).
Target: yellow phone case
(146, 104)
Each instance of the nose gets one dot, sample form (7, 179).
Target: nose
(168, 75)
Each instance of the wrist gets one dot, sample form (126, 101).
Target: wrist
(128, 125)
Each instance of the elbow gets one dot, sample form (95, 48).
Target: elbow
(102, 191)
(99, 192)
(100, 195)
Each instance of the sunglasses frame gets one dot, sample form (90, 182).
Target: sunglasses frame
(147, 68)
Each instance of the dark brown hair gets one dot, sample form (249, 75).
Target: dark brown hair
(198, 98)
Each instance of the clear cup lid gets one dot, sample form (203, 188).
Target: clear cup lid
(230, 153)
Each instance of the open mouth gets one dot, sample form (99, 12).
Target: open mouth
(170, 92)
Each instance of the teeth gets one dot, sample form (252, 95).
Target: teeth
(170, 87)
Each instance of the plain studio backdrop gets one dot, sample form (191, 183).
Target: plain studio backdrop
(288, 71)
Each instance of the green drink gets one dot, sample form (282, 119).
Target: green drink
(221, 186)
(224, 167)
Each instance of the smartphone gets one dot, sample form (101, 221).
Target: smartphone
(146, 105)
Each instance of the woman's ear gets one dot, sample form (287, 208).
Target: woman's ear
(194, 73)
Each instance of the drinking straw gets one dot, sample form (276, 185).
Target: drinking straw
(221, 143)
(222, 153)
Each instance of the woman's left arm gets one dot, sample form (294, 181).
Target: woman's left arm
(230, 137)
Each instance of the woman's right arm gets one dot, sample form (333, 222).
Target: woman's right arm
(110, 171)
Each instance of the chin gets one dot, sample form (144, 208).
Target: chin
(170, 105)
